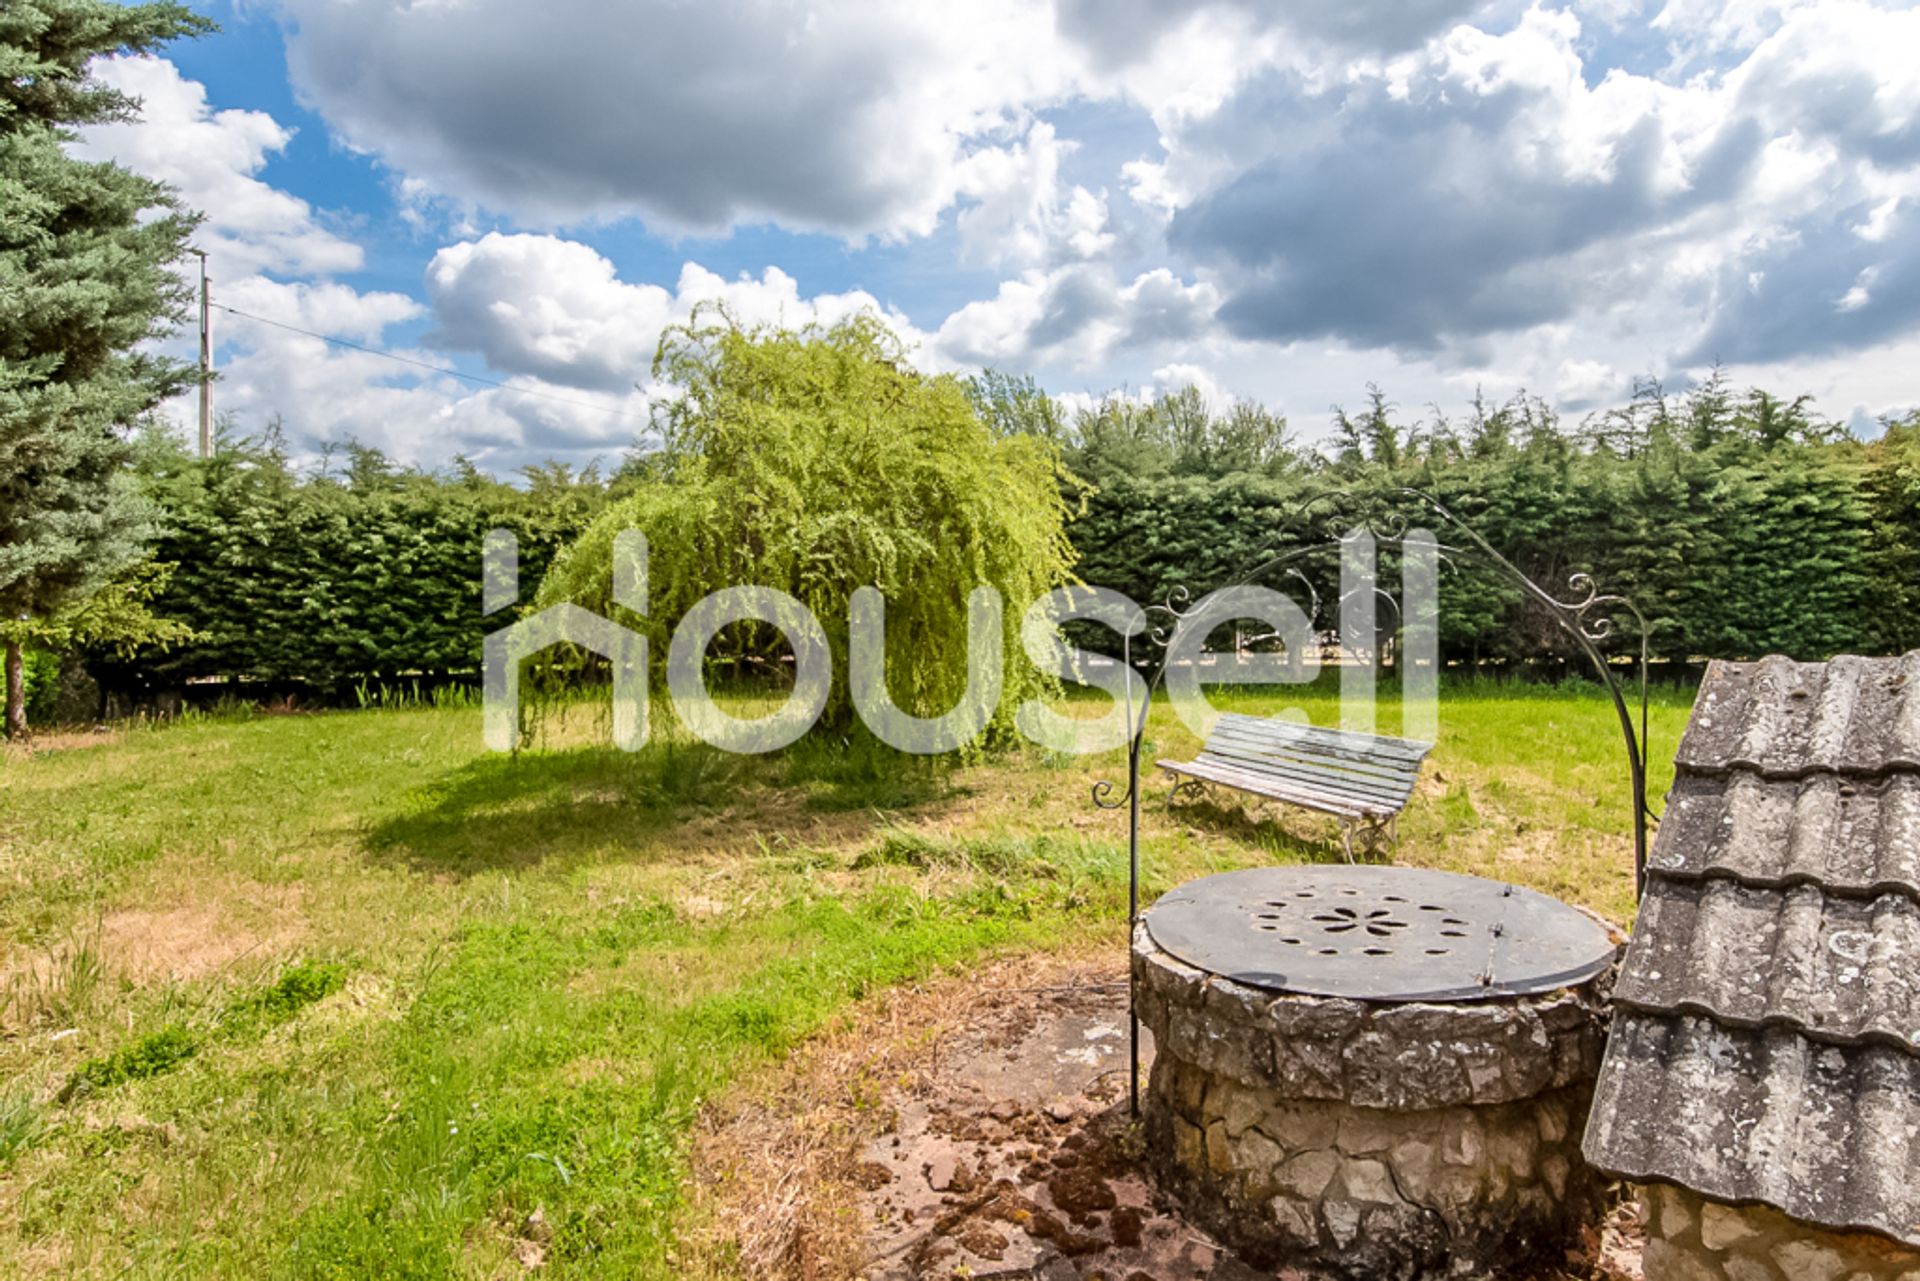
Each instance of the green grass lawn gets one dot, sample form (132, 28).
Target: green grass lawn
(345, 995)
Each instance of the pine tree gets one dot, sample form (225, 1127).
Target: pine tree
(86, 254)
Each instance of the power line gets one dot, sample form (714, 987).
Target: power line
(421, 364)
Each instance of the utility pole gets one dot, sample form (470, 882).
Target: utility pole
(206, 360)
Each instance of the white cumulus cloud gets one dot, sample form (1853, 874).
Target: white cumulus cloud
(213, 158)
(556, 309)
(848, 116)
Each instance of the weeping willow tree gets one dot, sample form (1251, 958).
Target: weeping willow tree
(818, 461)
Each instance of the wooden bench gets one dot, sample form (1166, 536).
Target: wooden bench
(1364, 780)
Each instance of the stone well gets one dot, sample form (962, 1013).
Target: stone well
(1374, 1072)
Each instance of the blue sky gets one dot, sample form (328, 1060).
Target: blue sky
(1276, 202)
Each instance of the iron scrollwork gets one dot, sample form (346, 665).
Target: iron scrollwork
(1587, 617)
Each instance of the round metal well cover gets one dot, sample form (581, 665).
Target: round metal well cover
(1379, 933)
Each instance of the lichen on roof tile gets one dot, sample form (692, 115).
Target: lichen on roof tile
(1766, 1044)
(1779, 717)
(1833, 968)
(1848, 834)
(1827, 1134)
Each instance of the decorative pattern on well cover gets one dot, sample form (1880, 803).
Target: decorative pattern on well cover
(1766, 1037)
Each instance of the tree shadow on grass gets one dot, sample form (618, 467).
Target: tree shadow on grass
(858, 772)
(1255, 823)
(500, 811)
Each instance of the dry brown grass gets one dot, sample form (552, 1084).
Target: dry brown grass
(205, 936)
(776, 1195)
(59, 740)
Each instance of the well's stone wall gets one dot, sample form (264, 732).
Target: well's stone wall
(1349, 1139)
(1691, 1238)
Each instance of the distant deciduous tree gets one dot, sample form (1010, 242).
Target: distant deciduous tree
(817, 462)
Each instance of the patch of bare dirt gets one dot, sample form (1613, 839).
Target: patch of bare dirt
(60, 740)
(198, 939)
(972, 1127)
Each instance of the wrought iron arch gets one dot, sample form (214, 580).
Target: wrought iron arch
(1576, 617)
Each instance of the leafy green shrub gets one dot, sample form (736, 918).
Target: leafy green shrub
(1893, 495)
(360, 569)
(151, 1055)
(1732, 548)
(41, 670)
(817, 461)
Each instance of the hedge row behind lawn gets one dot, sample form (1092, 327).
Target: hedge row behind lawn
(1741, 527)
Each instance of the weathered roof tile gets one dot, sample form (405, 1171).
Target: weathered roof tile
(1766, 1045)
(1833, 969)
(1780, 718)
(1850, 835)
(1826, 1134)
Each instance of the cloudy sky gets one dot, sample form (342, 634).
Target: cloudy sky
(1435, 195)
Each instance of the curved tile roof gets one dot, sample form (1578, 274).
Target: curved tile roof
(1828, 1135)
(1783, 719)
(1847, 834)
(1766, 1041)
(1829, 968)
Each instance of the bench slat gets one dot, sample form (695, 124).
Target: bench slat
(1352, 740)
(1377, 744)
(1279, 753)
(1282, 756)
(1371, 790)
(1389, 784)
(1346, 745)
(1277, 789)
(1300, 782)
